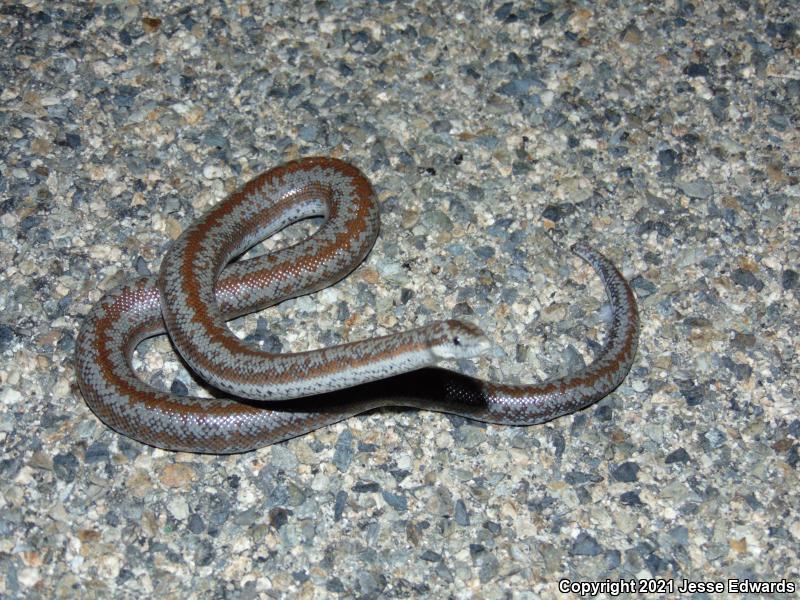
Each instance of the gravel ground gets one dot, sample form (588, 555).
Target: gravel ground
(666, 133)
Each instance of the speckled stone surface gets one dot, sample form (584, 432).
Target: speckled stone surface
(666, 133)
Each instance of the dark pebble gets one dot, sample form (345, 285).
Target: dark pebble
(667, 158)
(502, 13)
(52, 420)
(339, 505)
(680, 534)
(295, 90)
(126, 96)
(399, 474)
(788, 281)
(370, 584)
(752, 501)
(262, 335)
(178, 388)
(492, 527)
(441, 126)
(219, 510)
(677, 456)
(626, 472)
(557, 212)
(579, 419)
(489, 568)
(6, 336)
(520, 86)
(690, 139)
(520, 168)
(342, 311)
(580, 477)
(334, 585)
(779, 122)
(97, 452)
(366, 446)
(624, 172)
(308, 133)
(585, 545)
(141, 268)
(461, 516)
(660, 227)
(214, 140)
(195, 524)
(72, 140)
(399, 503)
(344, 69)
(783, 30)
(129, 448)
(604, 413)
(559, 443)
(344, 452)
(500, 227)
(697, 322)
(613, 558)
(630, 499)
(65, 466)
(513, 59)
(655, 563)
(278, 494)
(741, 371)
(743, 341)
(204, 554)
(9, 467)
(42, 18)
(431, 556)
(489, 142)
(124, 575)
(643, 287)
(112, 519)
(278, 517)
(188, 22)
(793, 456)
(29, 222)
(554, 119)
(747, 279)
(793, 88)
(364, 487)
(696, 70)
(695, 394)
(300, 576)
(540, 504)
(719, 106)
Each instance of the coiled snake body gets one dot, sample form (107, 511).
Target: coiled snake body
(198, 290)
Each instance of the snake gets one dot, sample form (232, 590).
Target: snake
(262, 398)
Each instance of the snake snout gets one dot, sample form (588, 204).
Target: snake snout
(461, 340)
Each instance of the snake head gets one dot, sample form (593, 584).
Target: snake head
(458, 339)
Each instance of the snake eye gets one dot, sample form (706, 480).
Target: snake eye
(456, 341)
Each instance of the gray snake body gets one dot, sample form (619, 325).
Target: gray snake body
(196, 293)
